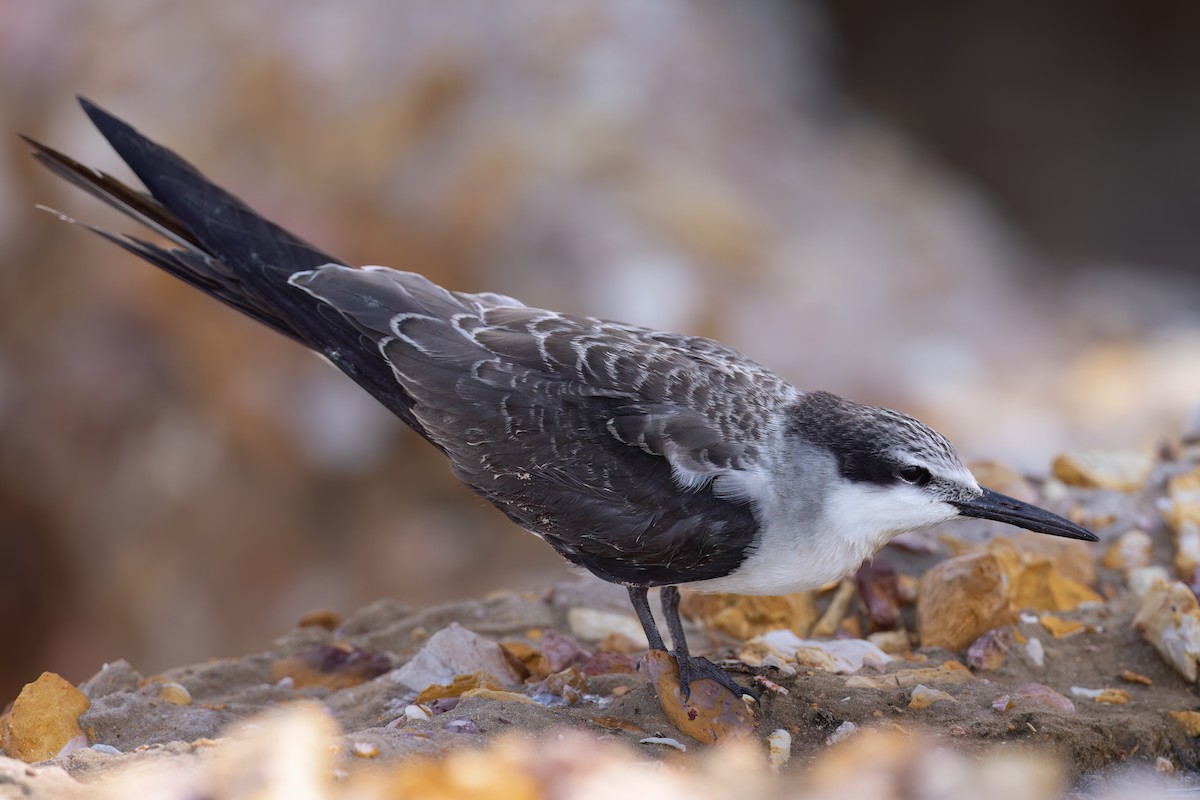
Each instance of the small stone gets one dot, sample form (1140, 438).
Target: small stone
(175, 694)
(1134, 677)
(663, 740)
(923, 697)
(834, 655)
(461, 684)
(842, 733)
(1002, 703)
(1060, 628)
(745, 616)
(43, 719)
(1036, 653)
(1112, 696)
(987, 652)
(320, 618)
(1044, 695)
(779, 749)
(364, 750)
(1141, 579)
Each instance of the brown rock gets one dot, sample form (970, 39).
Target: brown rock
(962, 597)
(320, 618)
(44, 717)
(1060, 628)
(987, 652)
(1189, 720)
(710, 715)
(331, 666)
(459, 686)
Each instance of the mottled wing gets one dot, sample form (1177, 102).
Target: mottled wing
(614, 443)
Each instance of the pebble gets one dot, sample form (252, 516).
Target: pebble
(1169, 619)
(779, 748)
(663, 740)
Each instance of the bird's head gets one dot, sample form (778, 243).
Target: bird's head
(896, 474)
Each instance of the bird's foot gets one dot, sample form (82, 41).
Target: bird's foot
(694, 668)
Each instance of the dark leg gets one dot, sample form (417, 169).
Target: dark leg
(641, 604)
(691, 667)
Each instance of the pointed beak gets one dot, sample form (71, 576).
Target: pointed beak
(1002, 508)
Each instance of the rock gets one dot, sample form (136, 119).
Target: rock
(987, 652)
(1120, 471)
(594, 625)
(1106, 695)
(923, 697)
(331, 667)
(44, 717)
(962, 597)
(779, 749)
(1181, 510)
(1134, 677)
(498, 696)
(1130, 550)
(561, 651)
(1169, 619)
(1141, 579)
(1044, 695)
(879, 588)
(176, 694)
(951, 672)
(1188, 720)
(320, 618)
(711, 714)
(19, 779)
(745, 616)
(1035, 652)
(1060, 628)
(834, 655)
(838, 606)
(891, 642)
(454, 651)
(457, 687)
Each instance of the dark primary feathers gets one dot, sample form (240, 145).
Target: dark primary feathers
(617, 444)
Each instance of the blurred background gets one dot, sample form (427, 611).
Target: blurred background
(982, 214)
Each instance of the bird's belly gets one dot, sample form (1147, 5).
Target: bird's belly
(783, 568)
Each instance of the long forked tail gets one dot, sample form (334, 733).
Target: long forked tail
(225, 249)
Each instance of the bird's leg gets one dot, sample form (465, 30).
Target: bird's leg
(692, 667)
(641, 605)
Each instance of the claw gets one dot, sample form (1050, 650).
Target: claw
(693, 668)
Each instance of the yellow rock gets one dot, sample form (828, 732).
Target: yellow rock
(499, 696)
(923, 697)
(459, 686)
(1123, 472)
(1059, 627)
(1035, 580)
(44, 717)
(962, 597)
(1113, 696)
(744, 617)
(1190, 720)
(175, 694)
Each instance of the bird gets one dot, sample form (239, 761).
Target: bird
(648, 458)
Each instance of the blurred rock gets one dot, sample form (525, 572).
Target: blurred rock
(1122, 472)
(1130, 550)
(836, 655)
(745, 616)
(454, 651)
(1181, 509)
(987, 652)
(1169, 619)
(594, 625)
(923, 697)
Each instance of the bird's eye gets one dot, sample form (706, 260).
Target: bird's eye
(918, 476)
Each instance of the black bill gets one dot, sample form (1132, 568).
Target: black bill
(1002, 508)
